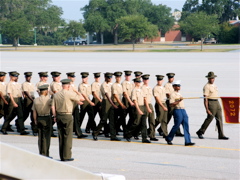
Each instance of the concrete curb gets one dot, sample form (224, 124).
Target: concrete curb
(21, 164)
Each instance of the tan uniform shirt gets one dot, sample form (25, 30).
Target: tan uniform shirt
(118, 90)
(14, 89)
(64, 101)
(138, 96)
(127, 87)
(28, 87)
(159, 91)
(175, 96)
(85, 89)
(42, 105)
(168, 88)
(3, 88)
(40, 83)
(96, 88)
(55, 86)
(106, 88)
(73, 87)
(148, 93)
(210, 90)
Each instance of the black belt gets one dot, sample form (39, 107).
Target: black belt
(45, 115)
(212, 100)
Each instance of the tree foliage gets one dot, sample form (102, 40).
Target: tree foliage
(75, 29)
(133, 27)
(229, 34)
(102, 15)
(19, 17)
(200, 25)
(225, 10)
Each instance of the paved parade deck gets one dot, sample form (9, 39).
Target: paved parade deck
(210, 158)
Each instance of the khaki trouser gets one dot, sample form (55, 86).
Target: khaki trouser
(139, 124)
(27, 109)
(3, 107)
(12, 113)
(87, 108)
(107, 113)
(169, 117)
(161, 118)
(76, 121)
(151, 122)
(65, 130)
(44, 124)
(216, 111)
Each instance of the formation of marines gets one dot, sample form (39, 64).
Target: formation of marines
(59, 103)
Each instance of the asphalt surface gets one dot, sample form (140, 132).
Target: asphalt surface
(210, 158)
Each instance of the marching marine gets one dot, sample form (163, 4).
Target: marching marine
(87, 107)
(147, 90)
(179, 114)
(169, 89)
(28, 94)
(160, 105)
(43, 80)
(3, 95)
(117, 92)
(107, 109)
(76, 116)
(15, 107)
(139, 99)
(213, 108)
(127, 87)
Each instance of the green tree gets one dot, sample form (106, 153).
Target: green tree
(229, 33)
(115, 10)
(161, 16)
(96, 23)
(75, 29)
(16, 29)
(109, 11)
(200, 25)
(49, 19)
(223, 9)
(31, 13)
(152, 32)
(133, 27)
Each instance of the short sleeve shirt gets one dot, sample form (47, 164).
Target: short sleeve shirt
(40, 83)
(96, 88)
(3, 88)
(85, 89)
(42, 105)
(148, 92)
(175, 96)
(72, 87)
(106, 88)
(159, 91)
(28, 87)
(168, 88)
(56, 86)
(127, 87)
(64, 101)
(138, 96)
(117, 90)
(210, 90)
(14, 89)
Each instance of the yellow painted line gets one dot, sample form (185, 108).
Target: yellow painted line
(108, 140)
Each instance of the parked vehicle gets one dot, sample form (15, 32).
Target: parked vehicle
(210, 41)
(78, 41)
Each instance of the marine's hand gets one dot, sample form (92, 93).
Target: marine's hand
(209, 112)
